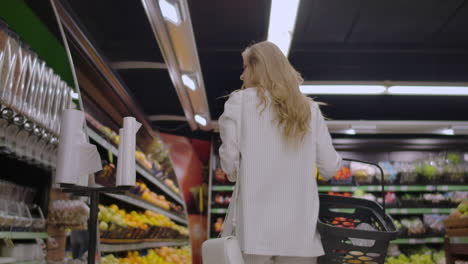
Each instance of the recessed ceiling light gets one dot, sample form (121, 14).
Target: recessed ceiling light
(170, 11)
(350, 131)
(428, 90)
(189, 82)
(200, 120)
(283, 16)
(343, 89)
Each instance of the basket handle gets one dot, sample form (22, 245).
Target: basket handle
(381, 178)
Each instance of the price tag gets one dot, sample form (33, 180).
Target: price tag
(444, 188)
(393, 211)
(430, 188)
(435, 240)
(392, 188)
(435, 210)
(335, 188)
(371, 188)
(404, 211)
(413, 241)
(404, 188)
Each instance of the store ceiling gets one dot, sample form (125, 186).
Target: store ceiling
(334, 40)
(343, 40)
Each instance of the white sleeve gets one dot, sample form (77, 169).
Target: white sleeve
(229, 127)
(328, 160)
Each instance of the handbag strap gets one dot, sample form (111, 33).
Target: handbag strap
(232, 210)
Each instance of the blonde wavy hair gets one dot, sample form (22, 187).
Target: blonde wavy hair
(272, 73)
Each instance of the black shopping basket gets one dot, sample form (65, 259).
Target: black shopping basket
(355, 230)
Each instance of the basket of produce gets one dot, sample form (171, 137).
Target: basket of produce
(454, 170)
(430, 171)
(364, 173)
(457, 222)
(389, 172)
(406, 172)
(435, 200)
(435, 223)
(414, 226)
(408, 200)
(354, 230)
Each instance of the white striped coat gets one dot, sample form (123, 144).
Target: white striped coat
(278, 202)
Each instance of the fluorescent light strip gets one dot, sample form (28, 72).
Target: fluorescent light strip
(170, 11)
(448, 132)
(200, 120)
(428, 90)
(342, 89)
(283, 16)
(189, 82)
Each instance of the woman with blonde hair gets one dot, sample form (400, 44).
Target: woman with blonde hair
(276, 137)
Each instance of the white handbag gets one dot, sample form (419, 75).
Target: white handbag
(226, 249)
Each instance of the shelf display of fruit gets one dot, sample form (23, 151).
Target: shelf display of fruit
(343, 176)
(220, 176)
(163, 255)
(418, 254)
(142, 191)
(157, 162)
(170, 183)
(447, 168)
(115, 223)
(461, 212)
(222, 199)
(363, 173)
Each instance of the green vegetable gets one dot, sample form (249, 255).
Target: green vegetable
(429, 171)
(453, 157)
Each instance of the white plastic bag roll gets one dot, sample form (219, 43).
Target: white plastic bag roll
(76, 157)
(126, 173)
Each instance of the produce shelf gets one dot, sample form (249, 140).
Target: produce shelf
(403, 211)
(105, 144)
(147, 206)
(427, 240)
(23, 235)
(218, 211)
(126, 247)
(22, 262)
(408, 211)
(458, 240)
(394, 188)
(222, 188)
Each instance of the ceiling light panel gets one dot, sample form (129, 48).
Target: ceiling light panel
(343, 89)
(429, 90)
(283, 16)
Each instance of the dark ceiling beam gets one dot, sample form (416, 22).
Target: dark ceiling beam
(121, 65)
(353, 23)
(448, 20)
(331, 48)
